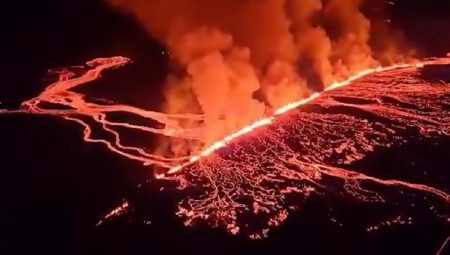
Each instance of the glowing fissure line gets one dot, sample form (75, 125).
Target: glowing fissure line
(266, 121)
(223, 182)
(270, 173)
(58, 93)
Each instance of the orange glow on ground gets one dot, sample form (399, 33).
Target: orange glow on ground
(266, 170)
(266, 121)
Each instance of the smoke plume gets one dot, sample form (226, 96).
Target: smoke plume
(236, 60)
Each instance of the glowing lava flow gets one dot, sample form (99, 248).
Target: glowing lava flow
(75, 106)
(264, 122)
(265, 175)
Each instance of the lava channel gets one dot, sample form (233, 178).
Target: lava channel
(295, 152)
(311, 143)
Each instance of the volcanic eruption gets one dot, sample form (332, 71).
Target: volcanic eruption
(267, 103)
(236, 61)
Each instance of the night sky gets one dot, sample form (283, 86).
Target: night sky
(54, 188)
(37, 36)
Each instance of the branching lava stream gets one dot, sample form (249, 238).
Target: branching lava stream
(291, 153)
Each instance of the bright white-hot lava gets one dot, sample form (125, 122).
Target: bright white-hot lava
(266, 121)
(294, 155)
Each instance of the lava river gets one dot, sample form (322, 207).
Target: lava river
(255, 179)
(266, 174)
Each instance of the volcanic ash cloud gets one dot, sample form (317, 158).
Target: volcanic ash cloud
(236, 60)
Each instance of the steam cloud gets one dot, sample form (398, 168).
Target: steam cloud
(235, 60)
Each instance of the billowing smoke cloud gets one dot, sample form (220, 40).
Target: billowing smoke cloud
(234, 60)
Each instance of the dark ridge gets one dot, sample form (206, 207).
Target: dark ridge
(436, 73)
(395, 101)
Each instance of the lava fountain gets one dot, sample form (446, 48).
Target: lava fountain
(294, 152)
(252, 119)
